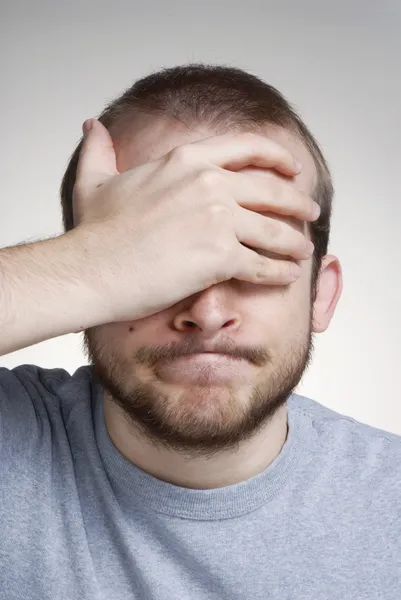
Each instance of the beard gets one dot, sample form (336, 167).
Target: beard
(203, 419)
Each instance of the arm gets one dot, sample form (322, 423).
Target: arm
(47, 290)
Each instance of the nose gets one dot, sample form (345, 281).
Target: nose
(208, 312)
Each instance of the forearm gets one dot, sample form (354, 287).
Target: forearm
(47, 290)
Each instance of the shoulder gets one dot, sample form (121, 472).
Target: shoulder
(355, 450)
(327, 420)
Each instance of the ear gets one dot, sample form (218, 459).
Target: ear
(329, 290)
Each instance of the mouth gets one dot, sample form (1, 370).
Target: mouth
(210, 354)
(206, 367)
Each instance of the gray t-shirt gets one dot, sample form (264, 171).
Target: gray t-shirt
(80, 522)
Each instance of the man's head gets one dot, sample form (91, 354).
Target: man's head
(270, 327)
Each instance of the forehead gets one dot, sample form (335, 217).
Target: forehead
(154, 137)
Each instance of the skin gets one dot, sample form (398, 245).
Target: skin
(203, 433)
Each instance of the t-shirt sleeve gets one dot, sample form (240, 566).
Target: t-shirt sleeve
(26, 406)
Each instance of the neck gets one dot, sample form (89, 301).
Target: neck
(227, 468)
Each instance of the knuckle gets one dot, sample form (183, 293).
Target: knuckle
(274, 229)
(217, 211)
(184, 154)
(223, 248)
(209, 179)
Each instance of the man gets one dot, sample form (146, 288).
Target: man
(180, 464)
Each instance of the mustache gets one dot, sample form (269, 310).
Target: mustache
(150, 356)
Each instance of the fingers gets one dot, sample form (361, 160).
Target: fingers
(267, 236)
(97, 160)
(268, 192)
(251, 267)
(237, 151)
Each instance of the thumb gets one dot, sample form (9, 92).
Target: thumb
(97, 159)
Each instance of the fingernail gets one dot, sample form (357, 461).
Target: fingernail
(87, 126)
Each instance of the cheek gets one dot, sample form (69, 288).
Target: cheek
(114, 338)
(286, 310)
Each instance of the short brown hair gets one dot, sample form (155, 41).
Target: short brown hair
(225, 99)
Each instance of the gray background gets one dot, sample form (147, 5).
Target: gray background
(338, 63)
